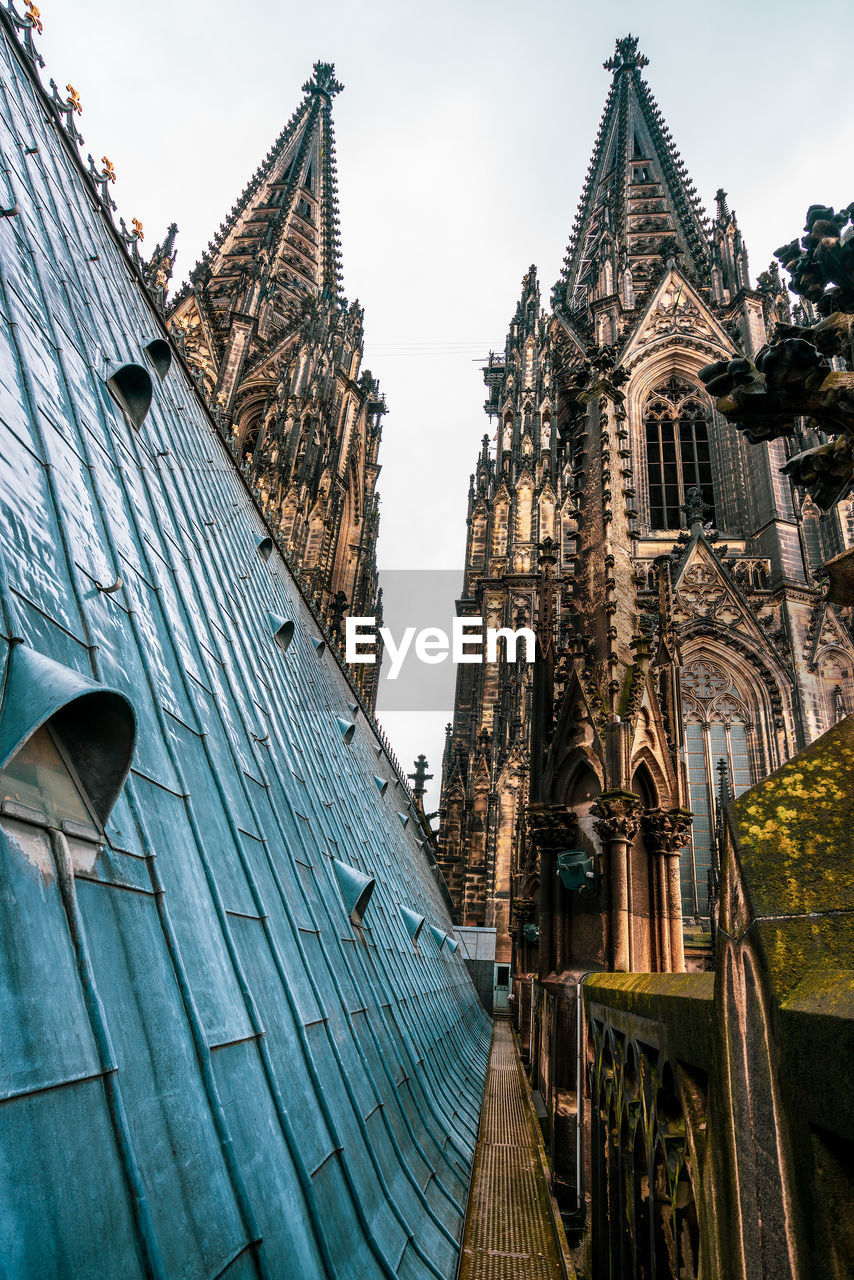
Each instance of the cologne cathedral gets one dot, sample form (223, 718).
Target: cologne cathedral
(279, 351)
(244, 1033)
(670, 568)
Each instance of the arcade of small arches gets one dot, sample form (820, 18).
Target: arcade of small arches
(645, 1218)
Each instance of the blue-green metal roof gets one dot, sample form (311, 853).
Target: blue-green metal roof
(206, 1070)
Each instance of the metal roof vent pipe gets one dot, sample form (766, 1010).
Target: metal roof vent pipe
(264, 547)
(93, 727)
(160, 354)
(282, 631)
(320, 646)
(452, 943)
(131, 387)
(382, 784)
(404, 818)
(438, 936)
(356, 889)
(346, 728)
(414, 923)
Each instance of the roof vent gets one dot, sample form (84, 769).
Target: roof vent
(413, 922)
(356, 889)
(404, 818)
(438, 936)
(282, 631)
(452, 943)
(160, 354)
(346, 728)
(95, 727)
(131, 387)
(382, 784)
(320, 646)
(264, 547)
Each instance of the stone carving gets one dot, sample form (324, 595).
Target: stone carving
(666, 830)
(701, 593)
(793, 378)
(619, 815)
(709, 693)
(551, 827)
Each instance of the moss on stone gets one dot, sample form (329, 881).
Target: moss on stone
(681, 1004)
(816, 1037)
(795, 831)
(793, 946)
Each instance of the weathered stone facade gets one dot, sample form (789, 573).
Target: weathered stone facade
(685, 623)
(718, 1133)
(279, 352)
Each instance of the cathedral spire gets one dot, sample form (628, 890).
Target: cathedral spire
(638, 206)
(279, 244)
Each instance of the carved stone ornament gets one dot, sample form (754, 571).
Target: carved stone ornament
(551, 827)
(666, 830)
(619, 814)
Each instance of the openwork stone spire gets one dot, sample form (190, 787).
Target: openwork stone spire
(279, 246)
(637, 195)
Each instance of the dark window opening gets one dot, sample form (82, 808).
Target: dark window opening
(503, 978)
(677, 454)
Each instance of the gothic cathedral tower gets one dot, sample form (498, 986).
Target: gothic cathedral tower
(280, 351)
(668, 568)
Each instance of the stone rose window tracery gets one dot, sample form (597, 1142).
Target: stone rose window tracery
(718, 725)
(676, 424)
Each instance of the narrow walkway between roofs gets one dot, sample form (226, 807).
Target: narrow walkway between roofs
(509, 1230)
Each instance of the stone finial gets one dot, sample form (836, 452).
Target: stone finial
(547, 556)
(323, 81)
(694, 506)
(419, 779)
(626, 56)
(724, 789)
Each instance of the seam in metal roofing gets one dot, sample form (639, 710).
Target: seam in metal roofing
(207, 1068)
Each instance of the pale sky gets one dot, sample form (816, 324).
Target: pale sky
(463, 136)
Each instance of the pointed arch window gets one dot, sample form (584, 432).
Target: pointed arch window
(676, 425)
(718, 726)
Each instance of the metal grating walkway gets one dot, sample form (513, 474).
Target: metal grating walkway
(509, 1233)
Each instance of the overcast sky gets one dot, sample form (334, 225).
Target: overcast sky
(463, 136)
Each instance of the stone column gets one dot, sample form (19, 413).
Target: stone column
(551, 829)
(665, 834)
(619, 815)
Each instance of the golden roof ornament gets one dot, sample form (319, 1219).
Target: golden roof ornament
(34, 16)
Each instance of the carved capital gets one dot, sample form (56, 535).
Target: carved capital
(619, 814)
(522, 911)
(551, 827)
(666, 830)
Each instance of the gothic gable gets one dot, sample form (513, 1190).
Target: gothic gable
(705, 591)
(826, 632)
(676, 314)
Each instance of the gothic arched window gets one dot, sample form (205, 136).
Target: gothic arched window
(718, 726)
(677, 452)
